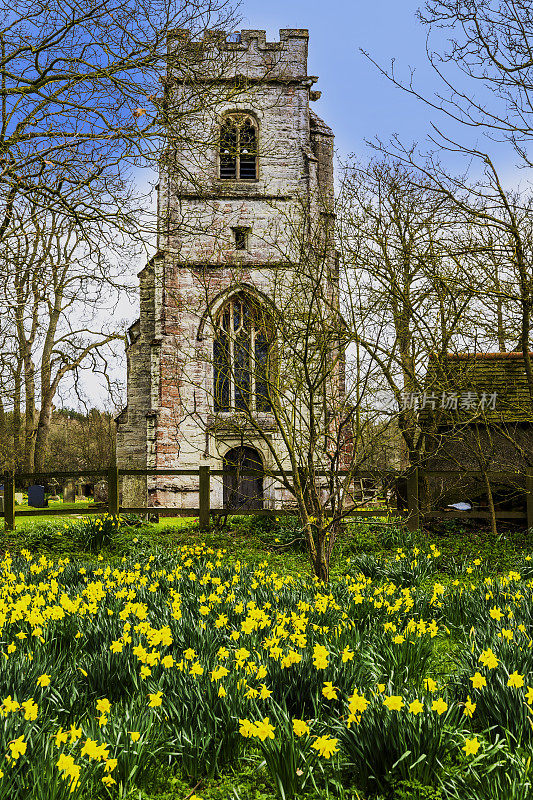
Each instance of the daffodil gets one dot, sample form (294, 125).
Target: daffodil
(416, 707)
(17, 747)
(326, 746)
(478, 681)
(103, 706)
(488, 659)
(393, 703)
(264, 730)
(515, 680)
(470, 707)
(300, 727)
(471, 746)
(440, 706)
(155, 699)
(329, 691)
(247, 728)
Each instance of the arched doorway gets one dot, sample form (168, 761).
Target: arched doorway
(243, 491)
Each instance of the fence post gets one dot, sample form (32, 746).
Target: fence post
(529, 497)
(413, 520)
(9, 501)
(204, 497)
(112, 489)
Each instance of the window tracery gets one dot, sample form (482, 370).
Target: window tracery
(241, 357)
(238, 148)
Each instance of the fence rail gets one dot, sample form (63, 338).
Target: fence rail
(204, 512)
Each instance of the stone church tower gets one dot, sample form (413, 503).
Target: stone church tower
(222, 239)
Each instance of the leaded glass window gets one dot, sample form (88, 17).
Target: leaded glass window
(238, 148)
(241, 353)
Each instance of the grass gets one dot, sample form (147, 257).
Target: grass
(29, 522)
(256, 538)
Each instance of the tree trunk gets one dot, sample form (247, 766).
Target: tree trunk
(30, 413)
(4, 441)
(499, 313)
(17, 418)
(321, 561)
(425, 498)
(43, 430)
(490, 500)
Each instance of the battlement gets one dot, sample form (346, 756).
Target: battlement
(248, 50)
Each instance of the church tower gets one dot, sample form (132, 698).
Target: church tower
(234, 179)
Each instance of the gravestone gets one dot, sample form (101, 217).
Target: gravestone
(36, 497)
(69, 495)
(53, 490)
(100, 492)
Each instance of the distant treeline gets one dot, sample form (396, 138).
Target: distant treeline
(76, 441)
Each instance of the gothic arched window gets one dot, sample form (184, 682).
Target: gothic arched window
(238, 148)
(241, 355)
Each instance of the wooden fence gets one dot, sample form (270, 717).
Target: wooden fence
(415, 516)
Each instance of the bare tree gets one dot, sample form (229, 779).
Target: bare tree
(82, 110)
(60, 283)
(399, 242)
(490, 43)
(80, 90)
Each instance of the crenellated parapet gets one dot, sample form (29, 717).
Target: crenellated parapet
(247, 53)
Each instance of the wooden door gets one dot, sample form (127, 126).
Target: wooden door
(243, 491)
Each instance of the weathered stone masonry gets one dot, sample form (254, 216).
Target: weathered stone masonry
(169, 404)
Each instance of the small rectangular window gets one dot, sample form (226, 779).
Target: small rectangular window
(240, 236)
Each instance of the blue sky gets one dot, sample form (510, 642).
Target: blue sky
(357, 101)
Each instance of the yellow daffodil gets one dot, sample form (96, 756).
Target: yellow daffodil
(247, 728)
(470, 707)
(416, 707)
(478, 681)
(393, 703)
(471, 746)
(488, 659)
(300, 727)
(103, 706)
(440, 706)
(155, 699)
(326, 746)
(515, 680)
(17, 747)
(329, 691)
